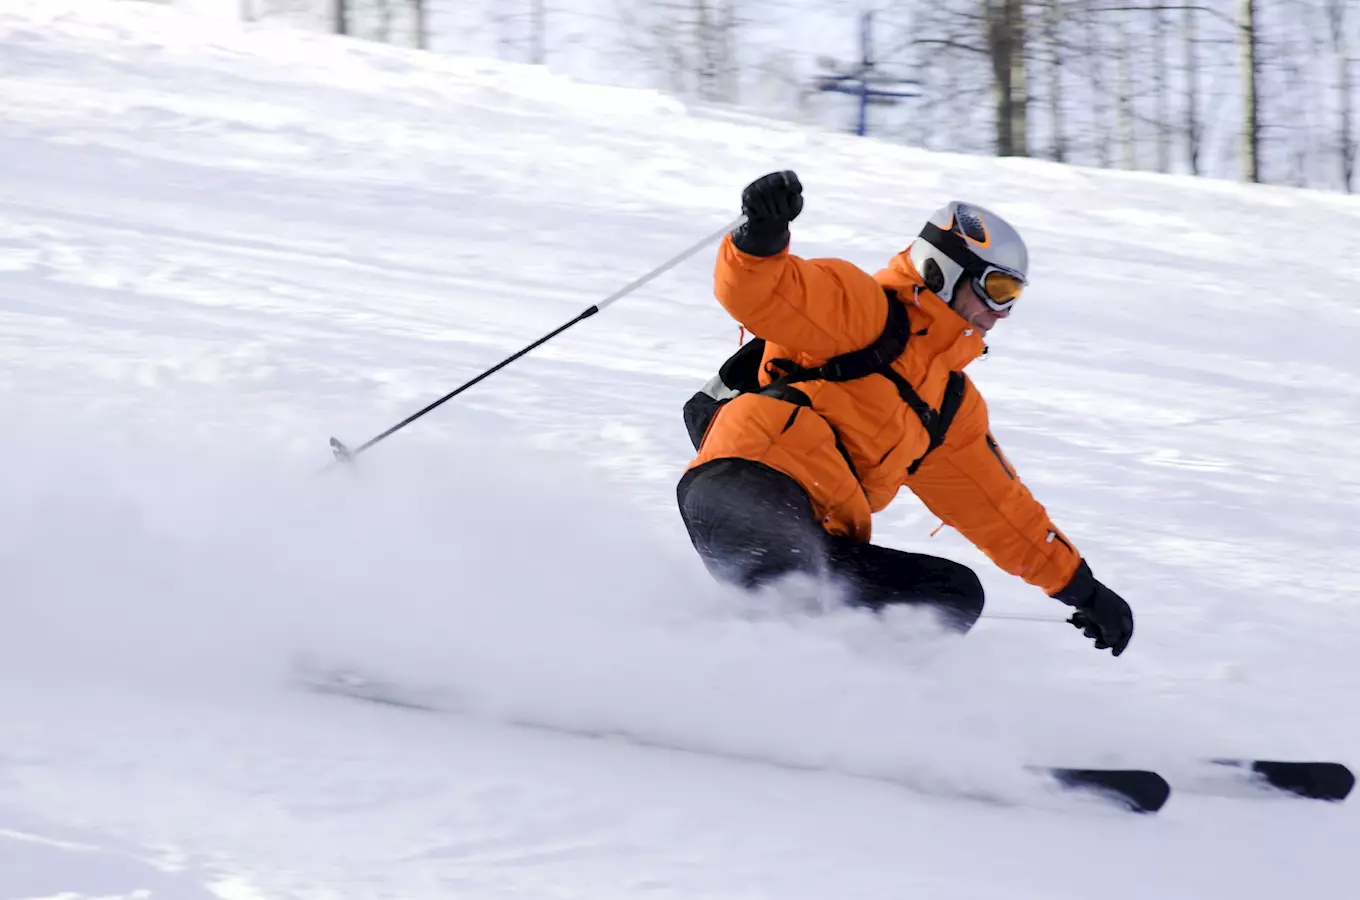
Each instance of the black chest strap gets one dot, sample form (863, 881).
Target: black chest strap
(949, 407)
(877, 359)
(861, 363)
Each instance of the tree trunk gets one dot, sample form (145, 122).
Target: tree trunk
(341, 17)
(1055, 93)
(1124, 98)
(1019, 80)
(710, 29)
(538, 38)
(422, 24)
(730, 82)
(1095, 53)
(704, 34)
(1295, 98)
(1005, 38)
(1160, 91)
(384, 32)
(1193, 129)
(1251, 130)
(1336, 14)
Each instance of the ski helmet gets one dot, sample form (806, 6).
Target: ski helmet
(961, 239)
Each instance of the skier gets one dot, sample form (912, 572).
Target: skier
(853, 388)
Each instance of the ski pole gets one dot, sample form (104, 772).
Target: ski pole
(1021, 617)
(345, 454)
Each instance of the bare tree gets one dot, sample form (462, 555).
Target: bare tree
(1292, 119)
(949, 41)
(1056, 52)
(1005, 24)
(1124, 93)
(538, 33)
(421, 13)
(1087, 81)
(691, 44)
(1251, 75)
(711, 30)
(1095, 54)
(1194, 128)
(1162, 119)
(1336, 20)
(386, 15)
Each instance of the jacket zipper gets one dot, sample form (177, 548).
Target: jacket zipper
(996, 451)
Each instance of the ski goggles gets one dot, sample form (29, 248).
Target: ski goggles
(998, 288)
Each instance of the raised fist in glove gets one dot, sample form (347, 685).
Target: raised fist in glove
(1101, 614)
(769, 203)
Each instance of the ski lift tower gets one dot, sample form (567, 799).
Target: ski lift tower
(865, 81)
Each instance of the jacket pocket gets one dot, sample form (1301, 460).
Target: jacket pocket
(996, 451)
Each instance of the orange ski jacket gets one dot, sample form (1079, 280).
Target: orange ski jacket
(856, 443)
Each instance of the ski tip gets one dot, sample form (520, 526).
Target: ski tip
(1314, 780)
(1142, 791)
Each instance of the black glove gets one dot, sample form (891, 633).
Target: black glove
(1101, 614)
(770, 203)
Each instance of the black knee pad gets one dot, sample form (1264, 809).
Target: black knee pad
(751, 524)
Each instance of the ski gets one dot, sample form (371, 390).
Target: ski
(1141, 790)
(1330, 781)
(1137, 790)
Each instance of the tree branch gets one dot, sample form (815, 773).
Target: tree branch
(946, 42)
(1213, 12)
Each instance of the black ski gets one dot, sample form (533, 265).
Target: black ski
(1314, 780)
(1141, 790)
(1137, 790)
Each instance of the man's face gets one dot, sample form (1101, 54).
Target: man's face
(974, 311)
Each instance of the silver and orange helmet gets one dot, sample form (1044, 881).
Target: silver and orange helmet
(962, 240)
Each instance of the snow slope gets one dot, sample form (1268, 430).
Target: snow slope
(219, 247)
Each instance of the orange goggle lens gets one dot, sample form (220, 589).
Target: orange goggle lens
(999, 289)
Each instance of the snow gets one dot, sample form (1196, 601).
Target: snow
(218, 247)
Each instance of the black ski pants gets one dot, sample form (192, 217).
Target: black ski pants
(753, 525)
